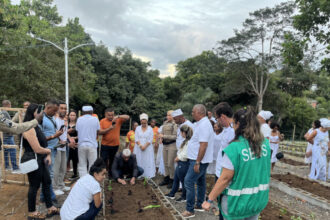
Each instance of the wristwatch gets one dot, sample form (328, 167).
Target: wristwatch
(210, 201)
(197, 163)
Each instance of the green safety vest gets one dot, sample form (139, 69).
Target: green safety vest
(247, 194)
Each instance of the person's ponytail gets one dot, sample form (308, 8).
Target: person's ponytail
(97, 167)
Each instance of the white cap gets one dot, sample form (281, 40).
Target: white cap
(325, 123)
(87, 108)
(144, 116)
(265, 114)
(126, 152)
(177, 112)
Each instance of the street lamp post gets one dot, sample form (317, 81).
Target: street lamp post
(66, 51)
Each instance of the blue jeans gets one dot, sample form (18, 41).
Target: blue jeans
(10, 152)
(189, 183)
(180, 174)
(51, 172)
(91, 213)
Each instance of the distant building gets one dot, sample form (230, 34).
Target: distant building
(312, 102)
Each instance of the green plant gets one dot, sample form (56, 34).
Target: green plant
(312, 215)
(283, 211)
(109, 186)
(145, 181)
(296, 218)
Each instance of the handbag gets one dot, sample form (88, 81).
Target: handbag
(28, 162)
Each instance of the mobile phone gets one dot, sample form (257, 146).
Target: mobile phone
(40, 108)
(62, 127)
(113, 123)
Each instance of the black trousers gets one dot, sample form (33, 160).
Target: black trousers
(37, 177)
(73, 155)
(108, 154)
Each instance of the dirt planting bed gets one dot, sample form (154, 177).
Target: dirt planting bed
(292, 162)
(304, 184)
(133, 202)
(275, 212)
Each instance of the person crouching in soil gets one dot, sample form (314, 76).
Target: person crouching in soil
(125, 164)
(84, 201)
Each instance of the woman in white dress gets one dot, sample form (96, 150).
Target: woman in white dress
(274, 141)
(308, 155)
(216, 147)
(143, 147)
(320, 140)
(160, 159)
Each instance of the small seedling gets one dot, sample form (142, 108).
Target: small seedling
(312, 215)
(295, 218)
(145, 181)
(151, 206)
(109, 186)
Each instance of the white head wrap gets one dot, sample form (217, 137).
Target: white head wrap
(126, 152)
(87, 108)
(177, 112)
(144, 116)
(265, 114)
(325, 123)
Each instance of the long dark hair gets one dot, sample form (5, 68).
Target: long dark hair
(317, 124)
(72, 110)
(249, 128)
(189, 133)
(97, 167)
(29, 114)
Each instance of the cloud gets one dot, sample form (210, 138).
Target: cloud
(162, 32)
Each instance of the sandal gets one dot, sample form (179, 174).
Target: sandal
(51, 213)
(38, 216)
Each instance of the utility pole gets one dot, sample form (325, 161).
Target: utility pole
(66, 51)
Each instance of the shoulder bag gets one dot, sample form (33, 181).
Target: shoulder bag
(28, 162)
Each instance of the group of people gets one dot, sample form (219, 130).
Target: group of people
(231, 146)
(318, 149)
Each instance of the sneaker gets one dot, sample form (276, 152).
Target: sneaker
(17, 171)
(199, 209)
(66, 188)
(58, 192)
(169, 196)
(181, 200)
(187, 214)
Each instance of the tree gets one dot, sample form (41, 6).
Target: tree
(314, 21)
(258, 43)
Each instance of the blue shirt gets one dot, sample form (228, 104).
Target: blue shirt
(49, 129)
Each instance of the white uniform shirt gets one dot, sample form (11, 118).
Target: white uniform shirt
(80, 197)
(63, 138)
(227, 135)
(179, 138)
(87, 127)
(265, 130)
(203, 132)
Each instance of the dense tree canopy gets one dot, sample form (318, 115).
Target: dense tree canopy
(278, 76)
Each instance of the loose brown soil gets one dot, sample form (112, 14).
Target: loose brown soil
(292, 162)
(307, 185)
(126, 200)
(274, 212)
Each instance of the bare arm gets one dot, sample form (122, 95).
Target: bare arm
(223, 181)
(31, 137)
(311, 137)
(97, 200)
(104, 131)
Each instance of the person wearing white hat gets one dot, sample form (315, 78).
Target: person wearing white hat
(320, 140)
(87, 127)
(263, 116)
(143, 149)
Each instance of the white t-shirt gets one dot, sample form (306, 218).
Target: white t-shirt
(265, 130)
(80, 197)
(179, 138)
(226, 136)
(59, 122)
(87, 127)
(203, 132)
(226, 163)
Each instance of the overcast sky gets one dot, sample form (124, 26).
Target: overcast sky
(163, 32)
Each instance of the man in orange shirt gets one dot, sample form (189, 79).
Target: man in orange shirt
(110, 129)
(130, 137)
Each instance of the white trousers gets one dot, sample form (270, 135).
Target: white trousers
(59, 170)
(87, 156)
